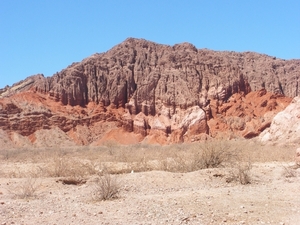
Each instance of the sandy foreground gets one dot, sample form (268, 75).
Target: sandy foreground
(159, 197)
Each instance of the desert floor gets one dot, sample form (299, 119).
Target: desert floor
(153, 187)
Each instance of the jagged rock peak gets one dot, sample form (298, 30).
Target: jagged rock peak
(146, 77)
(185, 46)
(138, 41)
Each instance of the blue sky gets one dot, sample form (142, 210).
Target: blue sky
(45, 36)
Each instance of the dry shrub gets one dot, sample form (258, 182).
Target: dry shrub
(111, 146)
(27, 189)
(106, 187)
(214, 154)
(141, 165)
(289, 171)
(62, 167)
(175, 158)
(177, 164)
(194, 157)
(241, 173)
(68, 167)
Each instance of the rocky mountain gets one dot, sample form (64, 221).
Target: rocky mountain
(151, 92)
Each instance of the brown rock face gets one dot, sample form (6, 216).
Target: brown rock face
(246, 115)
(159, 86)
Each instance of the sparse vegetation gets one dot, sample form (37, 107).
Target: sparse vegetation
(81, 162)
(70, 167)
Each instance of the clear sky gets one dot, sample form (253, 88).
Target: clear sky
(45, 36)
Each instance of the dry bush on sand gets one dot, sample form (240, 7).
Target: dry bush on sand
(176, 163)
(60, 167)
(106, 188)
(240, 172)
(199, 156)
(27, 189)
(215, 154)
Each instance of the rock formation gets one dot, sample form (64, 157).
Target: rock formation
(153, 90)
(246, 115)
(285, 126)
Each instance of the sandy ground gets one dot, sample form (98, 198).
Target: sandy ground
(159, 197)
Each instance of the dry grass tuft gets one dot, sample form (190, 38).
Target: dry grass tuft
(106, 188)
(27, 189)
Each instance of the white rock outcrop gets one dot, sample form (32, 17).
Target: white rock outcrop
(285, 126)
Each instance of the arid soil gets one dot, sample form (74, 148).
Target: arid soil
(156, 196)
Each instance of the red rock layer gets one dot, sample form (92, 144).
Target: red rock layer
(245, 115)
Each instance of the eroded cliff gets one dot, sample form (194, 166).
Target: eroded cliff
(149, 89)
